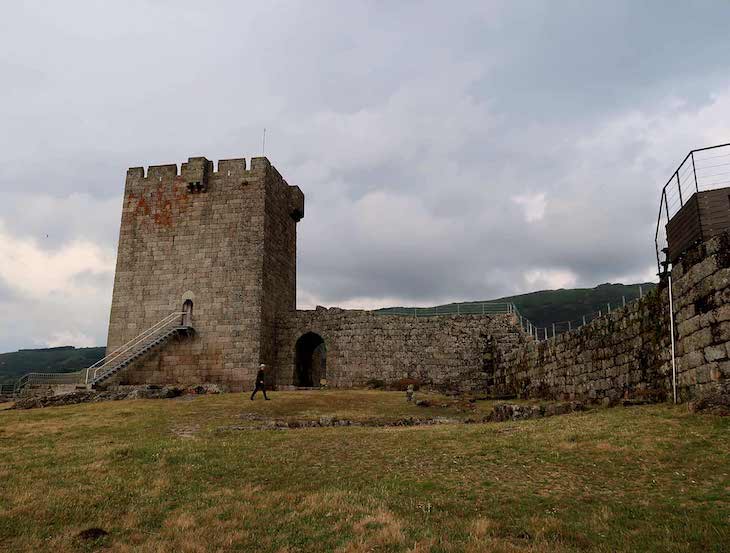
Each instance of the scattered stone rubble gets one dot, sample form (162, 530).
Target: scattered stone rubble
(116, 394)
(502, 412)
(514, 412)
(717, 403)
(259, 422)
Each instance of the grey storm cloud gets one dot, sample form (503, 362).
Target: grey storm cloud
(7, 294)
(446, 154)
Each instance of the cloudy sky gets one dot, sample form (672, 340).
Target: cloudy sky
(448, 151)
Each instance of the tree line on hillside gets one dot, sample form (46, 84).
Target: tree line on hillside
(48, 360)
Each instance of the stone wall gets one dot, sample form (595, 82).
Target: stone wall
(701, 292)
(627, 353)
(447, 352)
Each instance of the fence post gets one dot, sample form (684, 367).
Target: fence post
(671, 330)
(415, 312)
(553, 330)
(570, 326)
(458, 309)
(641, 291)
(609, 307)
(482, 308)
(584, 320)
(623, 298)
(694, 171)
(679, 189)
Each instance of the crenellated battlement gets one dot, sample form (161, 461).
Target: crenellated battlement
(162, 172)
(199, 166)
(197, 173)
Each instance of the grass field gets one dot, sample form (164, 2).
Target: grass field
(171, 475)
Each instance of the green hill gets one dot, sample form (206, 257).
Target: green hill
(554, 306)
(48, 360)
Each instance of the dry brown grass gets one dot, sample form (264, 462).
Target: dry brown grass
(162, 476)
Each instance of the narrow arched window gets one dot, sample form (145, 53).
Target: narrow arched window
(187, 318)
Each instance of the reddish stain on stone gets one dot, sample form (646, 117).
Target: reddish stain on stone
(142, 207)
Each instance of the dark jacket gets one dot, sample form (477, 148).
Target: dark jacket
(260, 379)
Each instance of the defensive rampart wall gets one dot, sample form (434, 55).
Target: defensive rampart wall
(627, 353)
(444, 352)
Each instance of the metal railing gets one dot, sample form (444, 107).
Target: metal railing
(702, 169)
(84, 376)
(560, 327)
(539, 333)
(482, 308)
(35, 379)
(108, 362)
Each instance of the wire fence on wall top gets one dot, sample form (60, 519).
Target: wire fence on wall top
(505, 308)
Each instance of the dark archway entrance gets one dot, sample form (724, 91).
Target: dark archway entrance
(311, 360)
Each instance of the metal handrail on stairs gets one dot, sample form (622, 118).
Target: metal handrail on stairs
(88, 375)
(104, 363)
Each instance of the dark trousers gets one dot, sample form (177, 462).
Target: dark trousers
(257, 388)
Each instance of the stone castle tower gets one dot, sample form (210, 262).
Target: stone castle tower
(219, 246)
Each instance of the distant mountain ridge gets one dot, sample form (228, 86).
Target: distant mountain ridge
(570, 304)
(546, 307)
(542, 308)
(63, 359)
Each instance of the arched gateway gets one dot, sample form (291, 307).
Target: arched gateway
(311, 360)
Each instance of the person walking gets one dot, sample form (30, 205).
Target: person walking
(260, 382)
